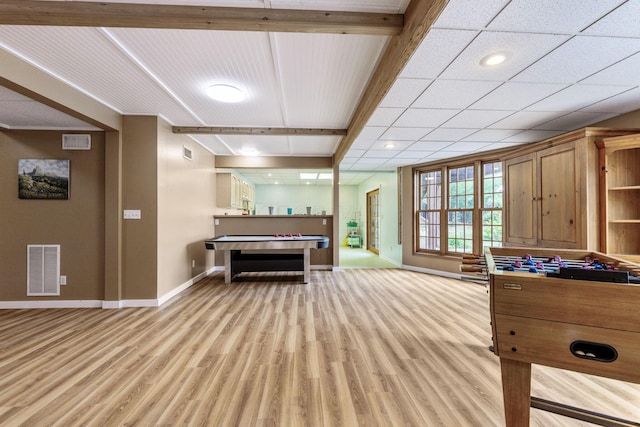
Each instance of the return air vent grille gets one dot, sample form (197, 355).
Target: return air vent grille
(43, 270)
(76, 141)
(187, 153)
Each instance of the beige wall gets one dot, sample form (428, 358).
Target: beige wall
(139, 177)
(434, 262)
(186, 202)
(76, 224)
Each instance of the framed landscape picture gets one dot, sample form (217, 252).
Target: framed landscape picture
(43, 179)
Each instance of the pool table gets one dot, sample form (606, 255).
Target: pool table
(248, 253)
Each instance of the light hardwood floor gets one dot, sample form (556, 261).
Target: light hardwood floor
(378, 347)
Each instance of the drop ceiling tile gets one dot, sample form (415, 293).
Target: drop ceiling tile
(575, 120)
(467, 146)
(404, 92)
(354, 153)
(435, 53)
(467, 14)
(522, 50)
(414, 154)
(516, 96)
(622, 22)
(525, 120)
(404, 134)
(378, 154)
(384, 116)
(576, 97)
(491, 135)
(429, 146)
(529, 136)
(453, 94)
(619, 104)
(500, 145)
(579, 58)
(439, 155)
(402, 162)
(474, 119)
(371, 161)
(550, 16)
(425, 117)
(445, 134)
(372, 132)
(623, 73)
(363, 143)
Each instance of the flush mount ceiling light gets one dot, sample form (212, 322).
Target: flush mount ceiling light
(226, 93)
(494, 59)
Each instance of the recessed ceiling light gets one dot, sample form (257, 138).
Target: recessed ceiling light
(389, 145)
(494, 59)
(308, 175)
(325, 176)
(226, 93)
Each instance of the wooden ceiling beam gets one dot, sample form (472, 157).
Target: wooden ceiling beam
(130, 15)
(258, 131)
(418, 19)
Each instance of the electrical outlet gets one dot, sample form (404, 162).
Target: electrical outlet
(216, 221)
(324, 221)
(193, 263)
(63, 280)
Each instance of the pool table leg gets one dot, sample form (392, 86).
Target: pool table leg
(307, 265)
(227, 267)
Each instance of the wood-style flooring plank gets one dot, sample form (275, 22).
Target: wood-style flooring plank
(352, 348)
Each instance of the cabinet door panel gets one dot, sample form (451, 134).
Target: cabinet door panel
(558, 215)
(521, 210)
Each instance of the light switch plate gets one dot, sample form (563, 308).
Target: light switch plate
(132, 214)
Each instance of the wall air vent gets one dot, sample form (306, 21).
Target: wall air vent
(43, 270)
(187, 153)
(76, 141)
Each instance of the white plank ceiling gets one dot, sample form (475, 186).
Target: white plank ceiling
(570, 63)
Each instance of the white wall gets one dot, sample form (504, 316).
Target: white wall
(388, 185)
(297, 197)
(349, 206)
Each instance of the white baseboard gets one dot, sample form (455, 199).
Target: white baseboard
(106, 304)
(13, 305)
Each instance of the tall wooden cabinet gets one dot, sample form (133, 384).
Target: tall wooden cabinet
(619, 163)
(551, 192)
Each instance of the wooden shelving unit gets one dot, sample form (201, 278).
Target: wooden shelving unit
(619, 163)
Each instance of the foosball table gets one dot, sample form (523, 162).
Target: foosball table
(568, 309)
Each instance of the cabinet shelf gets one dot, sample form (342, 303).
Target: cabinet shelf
(619, 163)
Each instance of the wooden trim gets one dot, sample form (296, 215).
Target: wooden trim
(258, 131)
(278, 162)
(97, 14)
(419, 17)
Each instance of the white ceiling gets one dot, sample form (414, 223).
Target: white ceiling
(570, 63)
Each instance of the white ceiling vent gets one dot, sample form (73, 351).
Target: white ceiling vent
(187, 153)
(43, 270)
(76, 141)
